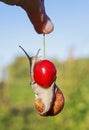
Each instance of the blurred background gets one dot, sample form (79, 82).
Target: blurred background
(67, 46)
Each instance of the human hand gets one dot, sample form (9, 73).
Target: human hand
(36, 12)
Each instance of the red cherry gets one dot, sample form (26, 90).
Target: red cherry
(44, 73)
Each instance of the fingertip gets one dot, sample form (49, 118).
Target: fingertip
(48, 27)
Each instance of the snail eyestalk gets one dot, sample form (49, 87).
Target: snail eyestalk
(37, 52)
(25, 52)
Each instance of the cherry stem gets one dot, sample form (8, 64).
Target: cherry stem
(44, 46)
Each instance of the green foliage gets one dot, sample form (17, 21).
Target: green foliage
(17, 111)
(19, 69)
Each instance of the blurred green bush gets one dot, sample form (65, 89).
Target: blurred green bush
(17, 111)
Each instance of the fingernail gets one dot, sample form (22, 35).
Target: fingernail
(48, 28)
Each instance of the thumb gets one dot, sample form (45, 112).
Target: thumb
(36, 12)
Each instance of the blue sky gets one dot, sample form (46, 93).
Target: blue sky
(71, 22)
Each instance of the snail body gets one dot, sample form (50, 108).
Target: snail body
(49, 100)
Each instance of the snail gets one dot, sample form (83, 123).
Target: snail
(49, 99)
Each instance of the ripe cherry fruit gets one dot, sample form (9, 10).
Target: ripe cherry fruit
(44, 73)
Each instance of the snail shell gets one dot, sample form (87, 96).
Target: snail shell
(48, 101)
(56, 104)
